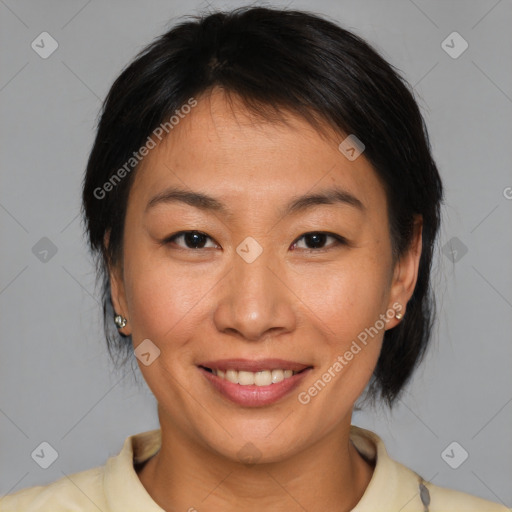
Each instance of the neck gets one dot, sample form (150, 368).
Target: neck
(329, 475)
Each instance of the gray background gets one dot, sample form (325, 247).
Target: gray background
(57, 384)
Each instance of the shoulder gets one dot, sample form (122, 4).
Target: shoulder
(394, 486)
(79, 491)
(113, 486)
(443, 500)
(436, 498)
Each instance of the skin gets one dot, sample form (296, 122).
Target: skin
(294, 302)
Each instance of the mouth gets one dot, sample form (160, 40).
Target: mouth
(254, 383)
(259, 378)
(247, 372)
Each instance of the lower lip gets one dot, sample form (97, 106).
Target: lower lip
(255, 396)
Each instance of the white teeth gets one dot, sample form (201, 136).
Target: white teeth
(245, 378)
(277, 376)
(232, 376)
(262, 378)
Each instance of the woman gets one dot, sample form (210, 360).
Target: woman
(264, 205)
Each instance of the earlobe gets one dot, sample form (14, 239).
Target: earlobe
(118, 301)
(117, 294)
(406, 271)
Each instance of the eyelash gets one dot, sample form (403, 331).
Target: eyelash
(339, 240)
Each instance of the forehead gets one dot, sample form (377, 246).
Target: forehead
(222, 149)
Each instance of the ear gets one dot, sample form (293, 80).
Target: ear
(117, 291)
(405, 273)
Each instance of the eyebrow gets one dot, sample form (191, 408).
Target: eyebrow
(297, 204)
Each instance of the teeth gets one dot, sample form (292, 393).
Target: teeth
(263, 378)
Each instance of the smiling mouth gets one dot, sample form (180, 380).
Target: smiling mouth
(259, 378)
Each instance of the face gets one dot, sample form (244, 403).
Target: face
(257, 280)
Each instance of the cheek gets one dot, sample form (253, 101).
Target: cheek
(345, 298)
(361, 324)
(347, 315)
(162, 300)
(347, 309)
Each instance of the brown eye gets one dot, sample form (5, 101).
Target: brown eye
(317, 239)
(191, 239)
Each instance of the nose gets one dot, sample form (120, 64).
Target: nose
(255, 301)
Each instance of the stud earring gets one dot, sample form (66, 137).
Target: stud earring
(120, 321)
(399, 316)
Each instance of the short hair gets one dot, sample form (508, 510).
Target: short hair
(276, 61)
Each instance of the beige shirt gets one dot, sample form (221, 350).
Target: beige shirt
(115, 487)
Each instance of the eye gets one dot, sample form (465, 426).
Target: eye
(192, 239)
(314, 240)
(317, 240)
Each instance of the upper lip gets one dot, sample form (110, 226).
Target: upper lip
(254, 365)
